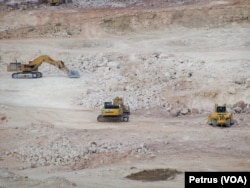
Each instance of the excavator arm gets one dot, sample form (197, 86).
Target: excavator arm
(37, 62)
(31, 69)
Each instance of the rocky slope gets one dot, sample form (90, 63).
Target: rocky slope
(186, 55)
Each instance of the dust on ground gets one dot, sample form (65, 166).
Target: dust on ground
(169, 63)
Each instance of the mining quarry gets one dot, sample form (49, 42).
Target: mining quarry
(171, 62)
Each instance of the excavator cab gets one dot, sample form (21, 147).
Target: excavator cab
(107, 105)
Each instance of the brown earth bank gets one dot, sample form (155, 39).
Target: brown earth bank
(65, 22)
(171, 61)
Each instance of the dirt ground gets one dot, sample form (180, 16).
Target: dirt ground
(169, 63)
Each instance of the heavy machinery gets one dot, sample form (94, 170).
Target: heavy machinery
(58, 2)
(31, 70)
(220, 116)
(114, 111)
(54, 2)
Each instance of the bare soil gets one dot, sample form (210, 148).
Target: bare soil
(169, 63)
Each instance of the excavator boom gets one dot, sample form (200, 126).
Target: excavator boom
(37, 62)
(31, 70)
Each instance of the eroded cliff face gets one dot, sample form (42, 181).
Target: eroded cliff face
(66, 22)
(192, 18)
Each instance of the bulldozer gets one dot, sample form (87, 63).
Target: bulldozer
(55, 2)
(114, 111)
(30, 70)
(58, 2)
(220, 116)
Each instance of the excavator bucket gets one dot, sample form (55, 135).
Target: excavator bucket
(73, 74)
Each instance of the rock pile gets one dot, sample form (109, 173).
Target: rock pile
(65, 151)
(150, 81)
(102, 3)
(241, 107)
(144, 80)
(59, 154)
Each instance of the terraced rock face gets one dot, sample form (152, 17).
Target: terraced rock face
(66, 22)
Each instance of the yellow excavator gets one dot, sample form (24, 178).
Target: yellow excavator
(114, 111)
(31, 70)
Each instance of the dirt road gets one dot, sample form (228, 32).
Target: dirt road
(42, 145)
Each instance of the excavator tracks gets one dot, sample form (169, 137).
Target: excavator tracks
(123, 118)
(26, 75)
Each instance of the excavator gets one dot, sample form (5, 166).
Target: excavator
(114, 111)
(31, 70)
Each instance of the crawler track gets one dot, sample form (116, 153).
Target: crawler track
(26, 75)
(123, 118)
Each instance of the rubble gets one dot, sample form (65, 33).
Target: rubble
(170, 66)
(65, 151)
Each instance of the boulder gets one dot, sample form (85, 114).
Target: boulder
(237, 109)
(185, 111)
(240, 104)
(175, 112)
(194, 111)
